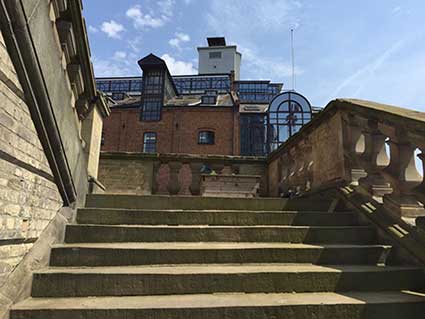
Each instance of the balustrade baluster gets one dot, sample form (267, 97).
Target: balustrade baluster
(155, 169)
(195, 186)
(374, 159)
(173, 183)
(404, 177)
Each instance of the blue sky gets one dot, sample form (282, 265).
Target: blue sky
(371, 50)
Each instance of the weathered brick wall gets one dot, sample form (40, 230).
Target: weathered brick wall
(28, 197)
(177, 132)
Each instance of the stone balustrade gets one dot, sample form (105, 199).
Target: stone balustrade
(358, 142)
(173, 174)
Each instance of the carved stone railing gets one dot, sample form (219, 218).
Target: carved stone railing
(361, 143)
(173, 174)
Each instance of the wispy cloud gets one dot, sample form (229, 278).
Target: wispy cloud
(357, 81)
(242, 20)
(112, 29)
(267, 67)
(396, 10)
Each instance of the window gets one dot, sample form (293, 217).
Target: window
(215, 55)
(206, 137)
(149, 142)
(208, 99)
(287, 113)
(151, 109)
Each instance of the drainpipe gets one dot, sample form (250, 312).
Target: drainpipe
(15, 30)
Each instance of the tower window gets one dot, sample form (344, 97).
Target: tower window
(215, 55)
(206, 137)
(149, 142)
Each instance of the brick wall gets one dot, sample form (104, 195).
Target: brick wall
(177, 132)
(28, 197)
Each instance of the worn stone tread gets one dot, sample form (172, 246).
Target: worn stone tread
(206, 233)
(222, 300)
(116, 216)
(210, 245)
(225, 269)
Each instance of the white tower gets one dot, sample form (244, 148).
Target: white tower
(218, 57)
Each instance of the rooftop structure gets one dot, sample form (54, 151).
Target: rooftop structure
(214, 102)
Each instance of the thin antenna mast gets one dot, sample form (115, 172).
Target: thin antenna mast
(293, 59)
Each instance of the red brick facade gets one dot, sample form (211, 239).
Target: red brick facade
(177, 131)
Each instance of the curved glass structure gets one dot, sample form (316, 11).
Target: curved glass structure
(287, 113)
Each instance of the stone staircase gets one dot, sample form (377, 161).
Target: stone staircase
(220, 258)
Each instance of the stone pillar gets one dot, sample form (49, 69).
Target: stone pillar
(195, 186)
(374, 159)
(404, 178)
(354, 147)
(155, 169)
(173, 183)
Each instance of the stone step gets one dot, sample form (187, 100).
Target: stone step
(291, 234)
(349, 305)
(198, 202)
(214, 278)
(111, 216)
(123, 254)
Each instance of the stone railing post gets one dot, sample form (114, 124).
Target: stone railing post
(421, 188)
(155, 169)
(195, 186)
(404, 177)
(374, 159)
(354, 148)
(173, 183)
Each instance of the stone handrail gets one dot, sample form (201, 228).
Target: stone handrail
(143, 173)
(347, 141)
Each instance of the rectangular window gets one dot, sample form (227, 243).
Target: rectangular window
(209, 99)
(206, 137)
(149, 142)
(151, 109)
(215, 55)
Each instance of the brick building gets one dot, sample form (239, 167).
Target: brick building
(207, 113)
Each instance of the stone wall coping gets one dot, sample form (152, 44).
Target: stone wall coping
(231, 175)
(185, 158)
(396, 116)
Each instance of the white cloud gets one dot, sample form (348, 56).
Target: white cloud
(142, 20)
(180, 37)
(178, 67)
(111, 67)
(93, 29)
(112, 29)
